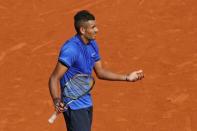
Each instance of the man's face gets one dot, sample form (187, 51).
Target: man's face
(90, 30)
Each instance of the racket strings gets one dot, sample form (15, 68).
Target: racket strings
(78, 86)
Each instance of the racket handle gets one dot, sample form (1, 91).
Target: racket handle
(54, 115)
(52, 118)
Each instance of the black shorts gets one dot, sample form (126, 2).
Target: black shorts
(78, 120)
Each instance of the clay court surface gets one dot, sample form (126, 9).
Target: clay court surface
(158, 36)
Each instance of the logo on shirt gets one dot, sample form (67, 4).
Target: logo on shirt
(93, 54)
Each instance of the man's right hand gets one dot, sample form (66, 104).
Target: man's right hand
(59, 105)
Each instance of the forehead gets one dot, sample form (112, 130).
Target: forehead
(90, 23)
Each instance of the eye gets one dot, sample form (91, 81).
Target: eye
(94, 26)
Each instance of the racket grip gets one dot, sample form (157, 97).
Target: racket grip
(52, 118)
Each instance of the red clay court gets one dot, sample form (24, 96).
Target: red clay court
(159, 37)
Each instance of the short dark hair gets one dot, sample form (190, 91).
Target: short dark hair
(81, 17)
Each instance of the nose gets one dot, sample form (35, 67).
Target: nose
(96, 30)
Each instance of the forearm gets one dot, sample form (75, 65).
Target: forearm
(53, 87)
(108, 75)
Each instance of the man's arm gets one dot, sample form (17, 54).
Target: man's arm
(108, 75)
(54, 85)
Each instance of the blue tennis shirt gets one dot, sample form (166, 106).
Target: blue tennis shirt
(79, 58)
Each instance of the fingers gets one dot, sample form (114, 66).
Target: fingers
(140, 74)
(136, 75)
(59, 107)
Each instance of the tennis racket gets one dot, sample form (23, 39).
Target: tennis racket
(76, 87)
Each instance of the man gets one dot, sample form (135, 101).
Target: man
(80, 55)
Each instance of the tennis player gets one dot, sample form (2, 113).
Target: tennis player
(80, 54)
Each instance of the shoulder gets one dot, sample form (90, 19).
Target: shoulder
(70, 45)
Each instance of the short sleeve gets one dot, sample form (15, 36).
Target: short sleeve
(68, 55)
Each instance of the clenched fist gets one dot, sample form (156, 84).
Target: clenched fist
(134, 76)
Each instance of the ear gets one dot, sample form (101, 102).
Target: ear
(82, 30)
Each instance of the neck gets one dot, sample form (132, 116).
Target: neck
(84, 39)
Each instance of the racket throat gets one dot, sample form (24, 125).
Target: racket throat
(67, 104)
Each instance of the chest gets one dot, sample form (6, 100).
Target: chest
(86, 58)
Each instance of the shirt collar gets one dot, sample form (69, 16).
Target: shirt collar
(81, 41)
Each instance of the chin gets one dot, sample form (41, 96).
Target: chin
(93, 38)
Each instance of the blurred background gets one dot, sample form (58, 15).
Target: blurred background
(156, 36)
